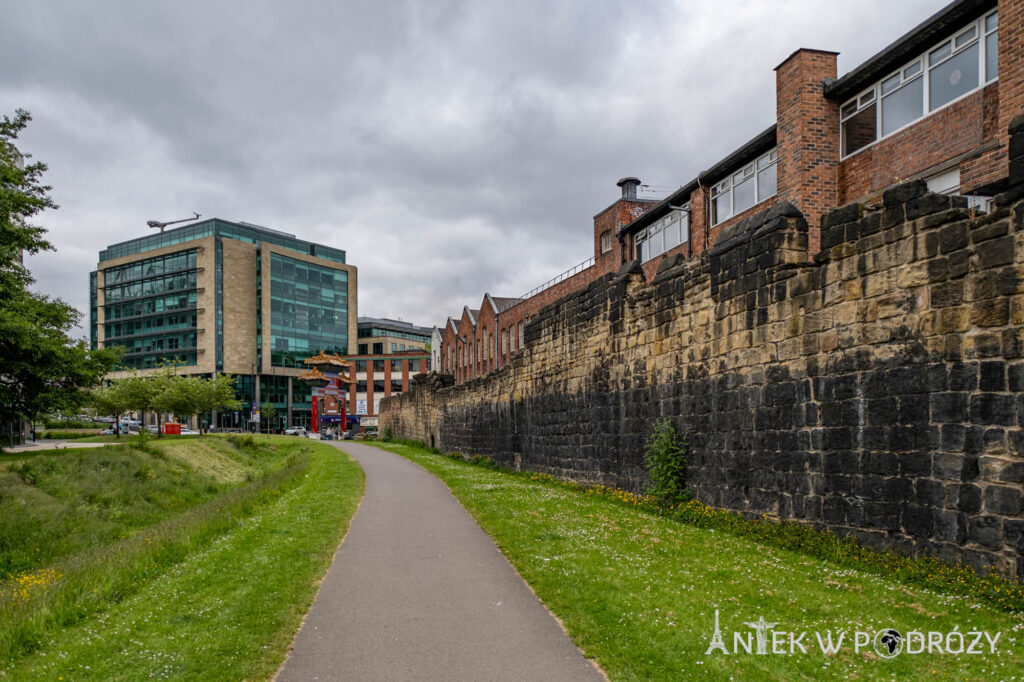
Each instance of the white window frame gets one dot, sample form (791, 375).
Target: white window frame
(873, 95)
(606, 241)
(750, 172)
(654, 234)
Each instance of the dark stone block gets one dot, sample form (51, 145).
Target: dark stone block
(948, 407)
(989, 408)
(995, 252)
(834, 509)
(948, 466)
(947, 294)
(993, 376)
(950, 526)
(884, 515)
(905, 192)
(953, 237)
(928, 492)
(963, 376)
(986, 231)
(953, 437)
(968, 498)
(915, 464)
(985, 531)
(882, 463)
(1003, 500)
(841, 216)
(917, 521)
(927, 205)
(959, 264)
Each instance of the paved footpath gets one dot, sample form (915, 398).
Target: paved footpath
(418, 591)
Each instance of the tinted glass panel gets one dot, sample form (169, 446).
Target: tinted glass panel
(766, 183)
(991, 57)
(859, 131)
(743, 195)
(903, 106)
(954, 77)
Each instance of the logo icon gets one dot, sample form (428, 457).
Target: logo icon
(888, 643)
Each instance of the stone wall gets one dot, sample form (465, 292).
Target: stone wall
(875, 390)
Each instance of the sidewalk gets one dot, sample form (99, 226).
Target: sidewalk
(51, 445)
(418, 591)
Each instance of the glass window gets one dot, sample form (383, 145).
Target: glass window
(903, 106)
(606, 241)
(378, 385)
(362, 349)
(991, 47)
(378, 366)
(954, 77)
(378, 349)
(396, 366)
(743, 195)
(767, 183)
(396, 385)
(859, 130)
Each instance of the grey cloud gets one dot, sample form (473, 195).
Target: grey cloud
(452, 147)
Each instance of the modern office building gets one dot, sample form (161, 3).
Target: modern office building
(390, 353)
(228, 298)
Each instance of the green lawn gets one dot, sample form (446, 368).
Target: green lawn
(214, 592)
(637, 591)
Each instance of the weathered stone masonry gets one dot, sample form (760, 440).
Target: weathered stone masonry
(876, 390)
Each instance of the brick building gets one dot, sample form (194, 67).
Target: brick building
(936, 105)
(389, 354)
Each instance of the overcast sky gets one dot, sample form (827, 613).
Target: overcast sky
(451, 148)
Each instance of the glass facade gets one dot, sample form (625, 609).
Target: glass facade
(308, 310)
(93, 314)
(366, 332)
(251, 234)
(149, 310)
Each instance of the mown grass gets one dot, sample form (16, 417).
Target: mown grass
(637, 590)
(215, 592)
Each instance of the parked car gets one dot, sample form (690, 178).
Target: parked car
(108, 432)
(295, 431)
(349, 435)
(153, 429)
(189, 432)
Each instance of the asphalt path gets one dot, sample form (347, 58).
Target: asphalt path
(417, 591)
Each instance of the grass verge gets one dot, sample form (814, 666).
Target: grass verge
(214, 593)
(637, 590)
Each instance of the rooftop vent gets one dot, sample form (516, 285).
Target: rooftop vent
(628, 186)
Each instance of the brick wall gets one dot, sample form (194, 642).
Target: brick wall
(808, 136)
(875, 391)
(955, 130)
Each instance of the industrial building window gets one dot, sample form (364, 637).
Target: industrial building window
(396, 385)
(667, 233)
(378, 349)
(396, 366)
(745, 188)
(522, 334)
(606, 241)
(378, 365)
(957, 66)
(504, 341)
(362, 349)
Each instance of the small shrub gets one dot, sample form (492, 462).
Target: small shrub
(246, 442)
(385, 433)
(665, 456)
(483, 461)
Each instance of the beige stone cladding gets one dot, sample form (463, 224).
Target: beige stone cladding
(240, 301)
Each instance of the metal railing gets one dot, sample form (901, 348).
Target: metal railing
(575, 270)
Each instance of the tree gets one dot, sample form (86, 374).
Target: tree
(267, 413)
(111, 400)
(217, 393)
(41, 368)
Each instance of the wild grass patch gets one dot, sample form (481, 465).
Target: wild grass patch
(637, 584)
